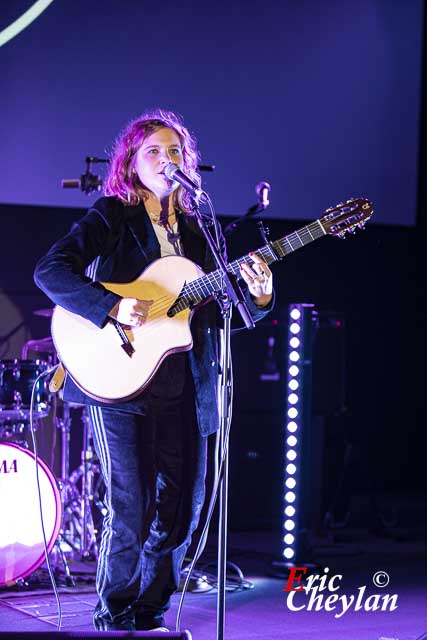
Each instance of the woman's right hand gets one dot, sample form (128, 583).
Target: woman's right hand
(131, 311)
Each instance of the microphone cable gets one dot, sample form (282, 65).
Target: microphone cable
(36, 458)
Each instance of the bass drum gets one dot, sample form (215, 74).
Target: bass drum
(21, 537)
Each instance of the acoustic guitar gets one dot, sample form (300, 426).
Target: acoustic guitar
(116, 363)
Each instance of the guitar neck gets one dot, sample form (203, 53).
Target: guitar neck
(198, 290)
(281, 247)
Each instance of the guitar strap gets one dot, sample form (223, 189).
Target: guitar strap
(57, 379)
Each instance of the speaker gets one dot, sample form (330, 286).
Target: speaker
(329, 385)
(256, 470)
(94, 635)
(256, 438)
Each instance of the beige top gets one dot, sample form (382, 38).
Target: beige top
(169, 240)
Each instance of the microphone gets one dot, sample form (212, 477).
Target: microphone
(86, 183)
(173, 172)
(262, 190)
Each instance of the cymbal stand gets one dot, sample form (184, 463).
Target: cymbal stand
(67, 492)
(64, 424)
(89, 470)
(78, 530)
(69, 579)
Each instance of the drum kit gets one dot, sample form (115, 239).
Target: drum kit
(68, 498)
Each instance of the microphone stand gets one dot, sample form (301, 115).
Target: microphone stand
(231, 295)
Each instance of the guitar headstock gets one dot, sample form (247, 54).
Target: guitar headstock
(347, 216)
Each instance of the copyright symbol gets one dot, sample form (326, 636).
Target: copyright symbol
(381, 579)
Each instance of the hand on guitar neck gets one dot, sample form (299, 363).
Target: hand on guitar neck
(259, 279)
(131, 312)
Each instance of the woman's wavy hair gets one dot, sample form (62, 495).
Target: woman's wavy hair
(123, 182)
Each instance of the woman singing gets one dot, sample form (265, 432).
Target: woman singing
(152, 449)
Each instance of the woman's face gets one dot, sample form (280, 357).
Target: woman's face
(158, 149)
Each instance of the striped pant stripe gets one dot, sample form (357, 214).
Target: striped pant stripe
(95, 414)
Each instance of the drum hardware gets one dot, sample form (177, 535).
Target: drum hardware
(78, 490)
(15, 431)
(42, 345)
(76, 493)
(69, 579)
(74, 530)
(64, 425)
(89, 471)
(17, 378)
(78, 532)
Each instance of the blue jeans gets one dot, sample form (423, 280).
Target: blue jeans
(154, 469)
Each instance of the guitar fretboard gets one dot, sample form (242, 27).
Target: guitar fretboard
(198, 290)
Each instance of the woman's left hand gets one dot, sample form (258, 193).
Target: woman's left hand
(259, 279)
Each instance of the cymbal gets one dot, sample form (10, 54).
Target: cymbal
(44, 313)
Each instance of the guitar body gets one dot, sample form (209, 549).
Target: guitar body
(94, 357)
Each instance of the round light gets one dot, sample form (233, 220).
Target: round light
(292, 427)
(289, 538)
(293, 370)
(295, 314)
(291, 469)
(289, 525)
(290, 496)
(291, 441)
(294, 328)
(290, 512)
(291, 455)
(292, 398)
(290, 483)
(294, 342)
(292, 413)
(294, 356)
(293, 384)
(288, 553)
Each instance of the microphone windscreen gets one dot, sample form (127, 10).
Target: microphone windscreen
(261, 186)
(170, 170)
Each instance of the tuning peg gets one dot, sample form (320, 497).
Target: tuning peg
(341, 235)
(351, 230)
(361, 225)
(350, 200)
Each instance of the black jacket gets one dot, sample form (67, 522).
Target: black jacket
(116, 243)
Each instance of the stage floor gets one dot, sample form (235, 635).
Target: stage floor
(263, 611)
